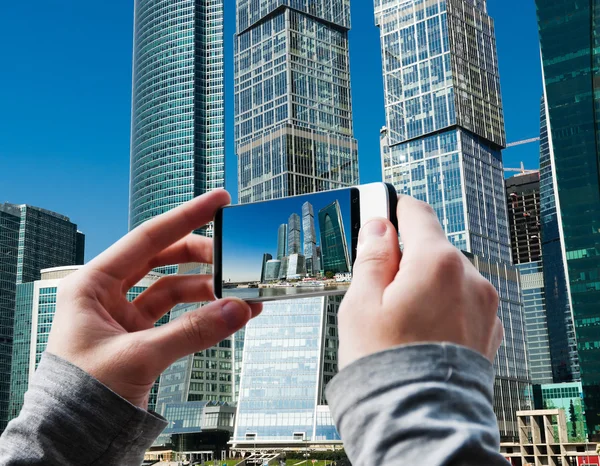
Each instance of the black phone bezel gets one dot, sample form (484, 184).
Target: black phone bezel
(354, 220)
(393, 204)
(218, 254)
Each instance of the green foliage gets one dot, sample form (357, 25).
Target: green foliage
(329, 275)
(573, 419)
(319, 455)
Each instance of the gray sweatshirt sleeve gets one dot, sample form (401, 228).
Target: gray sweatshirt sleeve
(418, 404)
(70, 418)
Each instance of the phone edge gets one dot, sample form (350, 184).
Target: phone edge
(218, 254)
(393, 204)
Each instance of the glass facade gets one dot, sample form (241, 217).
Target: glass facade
(569, 38)
(534, 305)
(177, 140)
(284, 372)
(442, 144)
(563, 344)
(19, 379)
(566, 396)
(194, 382)
(46, 239)
(204, 376)
(334, 248)
(9, 244)
(293, 135)
(31, 239)
(293, 111)
(310, 239)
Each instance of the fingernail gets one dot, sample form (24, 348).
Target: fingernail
(374, 229)
(234, 314)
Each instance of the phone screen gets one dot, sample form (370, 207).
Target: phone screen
(291, 247)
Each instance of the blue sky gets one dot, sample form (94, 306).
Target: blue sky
(251, 230)
(65, 93)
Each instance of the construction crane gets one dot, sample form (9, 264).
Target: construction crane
(520, 143)
(521, 170)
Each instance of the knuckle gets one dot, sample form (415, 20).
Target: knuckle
(426, 208)
(448, 264)
(489, 296)
(193, 329)
(372, 255)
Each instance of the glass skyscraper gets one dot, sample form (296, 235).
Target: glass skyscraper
(31, 239)
(177, 130)
(334, 247)
(290, 353)
(569, 37)
(293, 135)
(293, 111)
(310, 238)
(445, 132)
(293, 235)
(282, 238)
(561, 331)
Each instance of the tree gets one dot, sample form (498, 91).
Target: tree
(573, 418)
(329, 275)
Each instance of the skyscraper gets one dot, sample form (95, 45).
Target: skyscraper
(284, 373)
(282, 237)
(30, 239)
(293, 235)
(523, 195)
(263, 274)
(310, 238)
(293, 112)
(293, 135)
(445, 132)
(561, 331)
(571, 59)
(177, 129)
(334, 247)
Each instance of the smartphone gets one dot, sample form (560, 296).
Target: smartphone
(295, 247)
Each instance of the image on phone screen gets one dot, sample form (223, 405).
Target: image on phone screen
(291, 247)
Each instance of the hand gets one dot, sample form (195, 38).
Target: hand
(428, 293)
(98, 330)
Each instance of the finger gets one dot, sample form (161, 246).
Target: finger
(138, 247)
(256, 309)
(169, 291)
(418, 226)
(497, 338)
(192, 248)
(198, 330)
(377, 261)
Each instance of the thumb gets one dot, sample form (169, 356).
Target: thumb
(377, 261)
(199, 329)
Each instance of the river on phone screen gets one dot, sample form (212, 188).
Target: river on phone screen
(253, 293)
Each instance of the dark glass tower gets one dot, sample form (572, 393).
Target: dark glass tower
(31, 239)
(334, 247)
(561, 331)
(310, 238)
(569, 37)
(177, 129)
(293, 235)
(282, 237)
